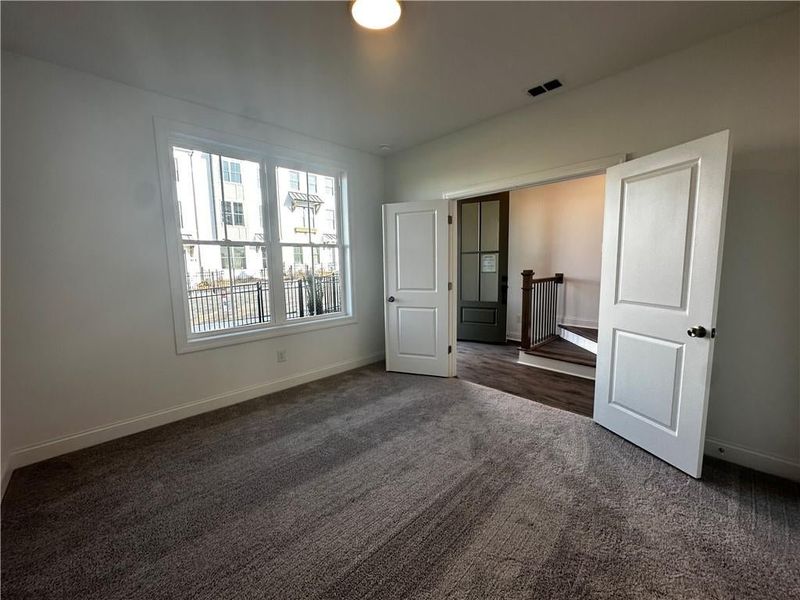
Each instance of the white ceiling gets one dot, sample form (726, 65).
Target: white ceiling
(308, 67)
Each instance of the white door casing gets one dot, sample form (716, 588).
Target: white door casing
(416, 255)
(662, 252)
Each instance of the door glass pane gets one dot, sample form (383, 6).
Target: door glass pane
(490, 226)
(489, 277)
(470, 223)
(469, 277)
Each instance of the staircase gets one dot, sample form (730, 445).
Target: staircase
(546, 344)
(573, 351)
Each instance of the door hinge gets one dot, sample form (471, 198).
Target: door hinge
(449, 285)
(449, 349)
(449, 219)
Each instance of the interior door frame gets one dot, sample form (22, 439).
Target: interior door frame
(509, 183)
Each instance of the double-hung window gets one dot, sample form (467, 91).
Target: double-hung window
(233, 213)
(268, 253)
(232, 171)
(294, 180)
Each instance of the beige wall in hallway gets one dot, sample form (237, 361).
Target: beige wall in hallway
(558, 228)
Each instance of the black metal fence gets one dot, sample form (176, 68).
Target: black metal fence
(216, 305)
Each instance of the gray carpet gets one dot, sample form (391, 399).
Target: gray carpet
(375, 485)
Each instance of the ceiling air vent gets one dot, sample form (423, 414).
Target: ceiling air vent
(548, 86)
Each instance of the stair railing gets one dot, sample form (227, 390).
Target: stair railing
(539, 308)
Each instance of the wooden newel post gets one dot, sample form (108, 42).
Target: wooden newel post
(527, 287)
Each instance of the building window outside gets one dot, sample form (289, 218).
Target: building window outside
(233, 213)
(298, 256)
(237, 259)
(312, 184)
(231, 171)
(294, 180)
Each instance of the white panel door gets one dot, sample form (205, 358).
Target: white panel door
(662, 252)
(416, 261)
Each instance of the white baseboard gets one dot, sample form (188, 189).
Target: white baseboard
(753, 459)
(104, 433)
(559, 366)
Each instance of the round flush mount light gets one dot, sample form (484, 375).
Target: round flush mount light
(376, 14)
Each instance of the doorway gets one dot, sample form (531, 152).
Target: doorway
(553, 232)
(663, 229)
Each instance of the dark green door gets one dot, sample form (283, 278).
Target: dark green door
(483, 268)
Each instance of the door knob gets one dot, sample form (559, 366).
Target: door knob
(390, 299)
(697, 332)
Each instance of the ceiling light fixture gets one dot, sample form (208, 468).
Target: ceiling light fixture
(376, 14)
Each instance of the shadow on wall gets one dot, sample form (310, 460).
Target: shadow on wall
(578, 301)
(759, 300)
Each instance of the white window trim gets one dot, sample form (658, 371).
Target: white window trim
(169, 133)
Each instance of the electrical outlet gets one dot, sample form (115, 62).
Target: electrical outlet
(281, 355)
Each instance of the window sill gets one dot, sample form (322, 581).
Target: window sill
(243, 336)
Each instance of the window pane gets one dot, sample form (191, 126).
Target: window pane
(219, 197)
(311, 281)
(231, 171)
(307, 211)
(327, 217)
(226, 287)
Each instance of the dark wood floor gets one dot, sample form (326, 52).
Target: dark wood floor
(560, 349)
(588, 332)
(495, 366)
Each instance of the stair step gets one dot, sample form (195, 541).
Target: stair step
(560, 349)
(589, 333)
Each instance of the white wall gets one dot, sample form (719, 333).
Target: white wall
(88, 341)
(557, 228)
(746, 81)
